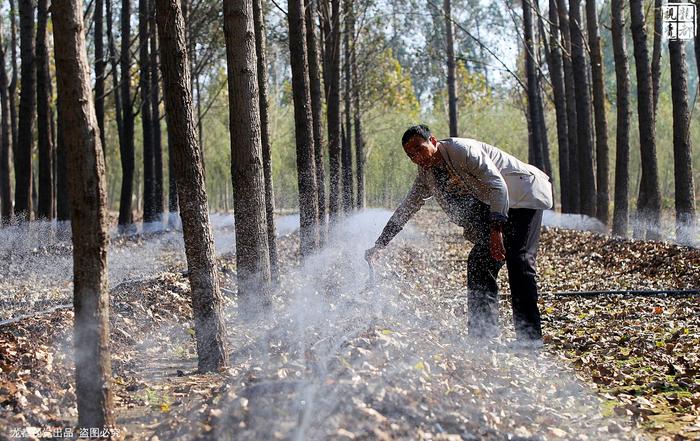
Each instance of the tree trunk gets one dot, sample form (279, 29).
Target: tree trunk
(43, 101)
(556, 69)
(649, 201)
(303, 128)
(535, 156)
(682, 149)
(656, 54)
(5, 140)
(331, 24)
(346, 157)
(317, 111)
(115, 70)
(88, 194)
(13, 80)
(126, 146)
(601, 124)
(584, 134)
(622, 155)
(99, 70)
(27, 106)
(62, 198)
(573, 179)
(155, 116)
(149, 183)
(451, 77)
(261, 56)
(252, 252)
(357, 123)
(207, 302)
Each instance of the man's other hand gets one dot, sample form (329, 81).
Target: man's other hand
(371, 253)
(496, 247)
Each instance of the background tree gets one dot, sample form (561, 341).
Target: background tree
(126, 144)
(346, 154)
(360, 158)
(303, 129)
(155, 114)
(330, 13)
(6, 210)
(535, 155)
(150, 212)
(656, 53)
(556, 69)
(649, 200)
(252, 253)
(43, 101)
(451, 87)
(261, 56)
(584, 135)
(27, 103)
(100, 64)
(621, 209)
(317, 111)
(88, 196)
(682, 157)
(14, 78)
(601, 124)
(574, 180)
(207, 301)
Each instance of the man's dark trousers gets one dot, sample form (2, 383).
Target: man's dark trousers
(521, 235)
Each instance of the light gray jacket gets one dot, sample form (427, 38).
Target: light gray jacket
(495, 177)
(491, 175)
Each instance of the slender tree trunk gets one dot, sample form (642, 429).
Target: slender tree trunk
(252, 252)
(62, 199)
(556, 69)
(622, 156)
(656, 54)
(100, 64)
(115, 72)
(357, 123)
(583, 112)
(451, 76)
(126, 146)
(546, 159)
(27, 106)
(346, 157)
(207, 302)
(150, 212)
(5, 140)
(601, 124)
(13, 80)
(317, 111)
(88, 194)
(261, 57)
(574, 182)
(155, 115)
(535, 156)
(172, 185)
(682, 148)
(649, 201)
(332, 67)
(303, 127)
(45, 144)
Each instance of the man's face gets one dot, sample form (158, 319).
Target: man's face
(423, 152)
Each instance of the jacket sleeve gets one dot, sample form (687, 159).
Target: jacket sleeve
(478, 166)
(413, 201)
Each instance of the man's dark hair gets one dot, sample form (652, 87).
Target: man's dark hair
(420, 130)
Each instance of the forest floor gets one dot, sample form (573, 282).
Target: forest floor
(337, 357)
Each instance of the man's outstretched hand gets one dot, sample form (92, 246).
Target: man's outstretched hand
(496, 247)
(371, 253)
